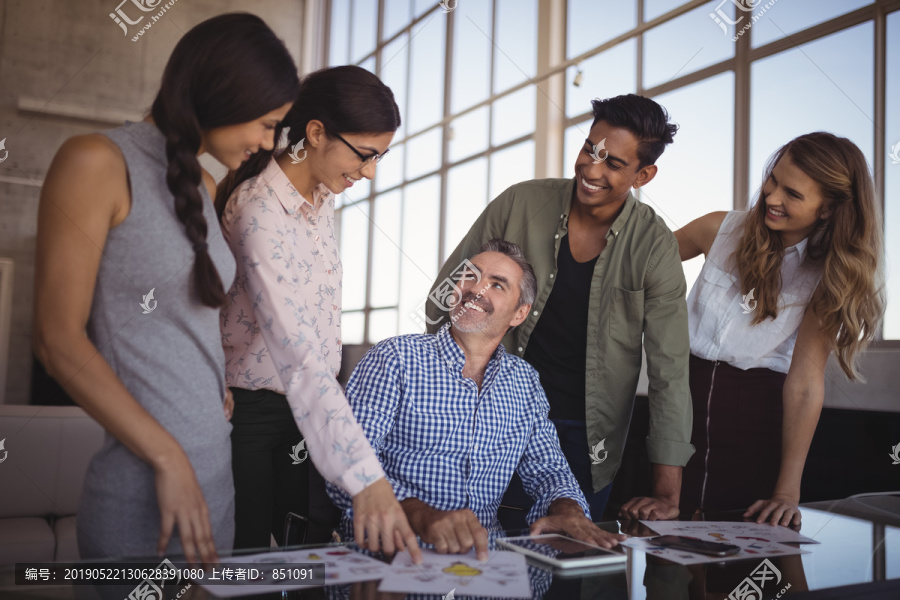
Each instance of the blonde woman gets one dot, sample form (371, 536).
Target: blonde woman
(784, 285)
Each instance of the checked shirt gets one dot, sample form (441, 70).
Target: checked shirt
(442, 440)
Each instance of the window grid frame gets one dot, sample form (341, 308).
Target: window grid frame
(740, 64)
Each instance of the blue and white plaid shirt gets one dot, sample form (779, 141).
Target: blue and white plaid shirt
(442, 440)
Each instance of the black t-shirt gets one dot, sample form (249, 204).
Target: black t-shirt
(558, 345)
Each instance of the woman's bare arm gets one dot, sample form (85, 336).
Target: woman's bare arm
(85, 194)
(804, 394)
(698, 236)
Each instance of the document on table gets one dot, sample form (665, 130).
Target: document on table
(729, 532)
(341, 565)
(503, 575)
(749, 549)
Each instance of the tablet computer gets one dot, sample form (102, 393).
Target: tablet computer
(562, 552)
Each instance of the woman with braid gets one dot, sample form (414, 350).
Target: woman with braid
(784, 285)
(131, 273)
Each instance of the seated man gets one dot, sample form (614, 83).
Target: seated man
(452, 416)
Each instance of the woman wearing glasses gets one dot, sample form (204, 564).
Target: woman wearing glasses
(281, 324)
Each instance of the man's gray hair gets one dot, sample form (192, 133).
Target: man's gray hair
(528, 283)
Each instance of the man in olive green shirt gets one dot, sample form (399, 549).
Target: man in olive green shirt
(618, 279)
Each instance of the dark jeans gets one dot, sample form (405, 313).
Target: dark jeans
(573, 442)
(267, 485)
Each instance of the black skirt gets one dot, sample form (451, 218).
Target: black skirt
(737, 434)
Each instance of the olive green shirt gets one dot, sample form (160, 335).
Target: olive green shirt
(637, 291)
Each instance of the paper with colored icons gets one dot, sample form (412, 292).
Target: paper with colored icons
(503, 575)
(749, 549)
(756, 540)
(732, 531)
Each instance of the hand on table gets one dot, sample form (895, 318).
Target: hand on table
(649, 509)
(379, 522)
(450, 531)
(778, 510)
(566, 516)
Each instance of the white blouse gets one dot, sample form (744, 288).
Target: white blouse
(720, 317)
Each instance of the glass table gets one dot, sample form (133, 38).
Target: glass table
(858, 557)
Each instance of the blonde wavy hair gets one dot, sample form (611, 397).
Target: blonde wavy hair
(846, 244)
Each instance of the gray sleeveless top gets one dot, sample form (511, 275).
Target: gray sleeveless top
(167, 350)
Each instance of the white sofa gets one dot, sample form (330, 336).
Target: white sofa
(48, 449)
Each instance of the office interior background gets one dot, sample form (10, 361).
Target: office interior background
(492, 92)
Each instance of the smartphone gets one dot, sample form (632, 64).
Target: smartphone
(679, 542)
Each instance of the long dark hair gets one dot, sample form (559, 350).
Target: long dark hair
(227, 70)
(345, 99)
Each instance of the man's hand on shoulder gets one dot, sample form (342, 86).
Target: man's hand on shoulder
(649, 509)
(566, 516)
(451, 532)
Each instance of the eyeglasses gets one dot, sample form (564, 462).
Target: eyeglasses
(365, 159)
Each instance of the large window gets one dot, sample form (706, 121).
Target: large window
(472, 87)
(696, 173)
(892, 180)
(465, 137)
(831, 89)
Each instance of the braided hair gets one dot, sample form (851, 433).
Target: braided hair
(227, 70)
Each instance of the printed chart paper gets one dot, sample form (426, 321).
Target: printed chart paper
(756, 540)
(504, 575)
(342, 565)
(720, 531)
(751, 549)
